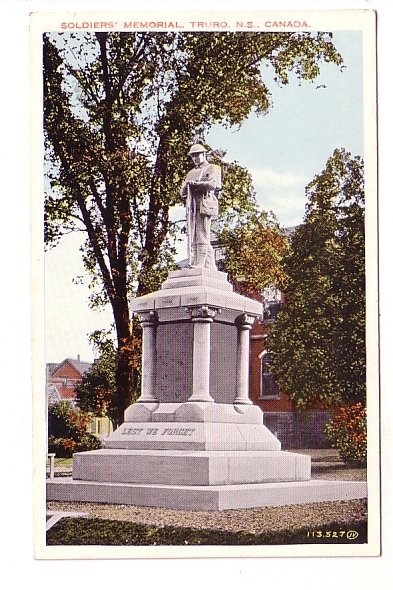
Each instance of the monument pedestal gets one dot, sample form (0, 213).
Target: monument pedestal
(190, 468)
(194, 440)
(222, 497)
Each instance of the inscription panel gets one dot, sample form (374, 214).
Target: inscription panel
(174, 362)
(141, 304)
(223, 363)
(162, 302)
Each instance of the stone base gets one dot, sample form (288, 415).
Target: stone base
(193, 427)
(226, 497)
(193, 437)
(190, 468)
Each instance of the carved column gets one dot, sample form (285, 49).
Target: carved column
(244, 324)
(149, 321)
(201, 317)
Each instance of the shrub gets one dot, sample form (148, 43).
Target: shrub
(347, 432)
(89, 442)
(67, 431)
(62, 447)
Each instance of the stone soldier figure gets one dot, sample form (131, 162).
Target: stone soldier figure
(200, 189)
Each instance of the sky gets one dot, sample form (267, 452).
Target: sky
(283, 150)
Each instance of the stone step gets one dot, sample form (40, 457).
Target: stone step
(190, 468)
(227, 497)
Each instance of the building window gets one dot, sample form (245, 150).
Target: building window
(269, 387)
(272, 303)
(271, 310)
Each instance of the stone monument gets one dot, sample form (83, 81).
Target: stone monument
(194, 440)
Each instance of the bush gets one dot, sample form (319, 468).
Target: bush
(67, 431)
(89, 442)
(347, 432)
(62, 447)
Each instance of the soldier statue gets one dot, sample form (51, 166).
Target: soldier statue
(200, 189)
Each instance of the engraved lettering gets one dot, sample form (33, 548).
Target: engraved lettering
(152, 431)
(132, 431)
(178, 431)
(156, 431)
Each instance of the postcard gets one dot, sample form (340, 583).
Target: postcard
(205, 302)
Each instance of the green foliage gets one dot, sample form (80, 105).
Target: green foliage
(66, 421)
(89, 442)
(318, 340)
(63, 447)
(96, 393)
(254, 250)
(347, 431)
(120, 111)
(67, 430)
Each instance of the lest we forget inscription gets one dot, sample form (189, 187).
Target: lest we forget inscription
(159, 431)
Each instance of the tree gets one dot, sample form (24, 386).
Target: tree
(96, 393)
(318, 340)
(254, 249)
(120, 110)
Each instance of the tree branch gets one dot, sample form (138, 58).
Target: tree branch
(98, 200)
(73, 184)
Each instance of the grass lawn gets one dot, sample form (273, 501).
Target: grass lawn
(59, 463)
(96, 531)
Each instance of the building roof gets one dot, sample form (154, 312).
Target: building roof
(51, 367)
(80, 366)
(289, 231)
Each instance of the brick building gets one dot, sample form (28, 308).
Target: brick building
(62, 379)
(61, 382)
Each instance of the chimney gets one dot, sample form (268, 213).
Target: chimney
(78, 358)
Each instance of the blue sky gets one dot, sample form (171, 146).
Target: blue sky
(283, 150)
(286, 148)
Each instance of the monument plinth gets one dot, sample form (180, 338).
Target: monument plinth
(194, 440)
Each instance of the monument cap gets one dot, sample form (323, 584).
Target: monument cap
(196, 149)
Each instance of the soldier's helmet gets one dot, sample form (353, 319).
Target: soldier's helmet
(197, 148)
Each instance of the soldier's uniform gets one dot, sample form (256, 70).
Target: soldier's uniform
(202, 206)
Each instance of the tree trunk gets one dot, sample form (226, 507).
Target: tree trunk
(124, 381)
